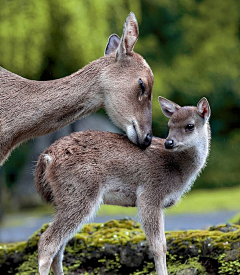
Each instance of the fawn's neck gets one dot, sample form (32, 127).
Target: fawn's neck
(193, 160)
(187, 164)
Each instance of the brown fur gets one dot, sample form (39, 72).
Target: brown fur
(31, 108)
(81, 171)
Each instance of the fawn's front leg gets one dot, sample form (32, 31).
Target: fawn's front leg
(152, 218)
(56, 266)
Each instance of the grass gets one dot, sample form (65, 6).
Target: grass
(206, 201)
(196, 201)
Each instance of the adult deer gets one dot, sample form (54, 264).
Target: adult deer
(121, 81)
(79, 172)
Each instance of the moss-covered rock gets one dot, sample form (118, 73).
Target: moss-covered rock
(120, 247)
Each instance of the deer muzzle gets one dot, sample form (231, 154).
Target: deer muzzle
(139, 137)
(146, 141)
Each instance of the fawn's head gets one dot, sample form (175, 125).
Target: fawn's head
(127, 83)
(187, 125)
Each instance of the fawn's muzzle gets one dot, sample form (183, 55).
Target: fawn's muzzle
(169, 144)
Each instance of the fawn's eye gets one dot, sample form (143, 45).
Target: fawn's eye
(142, 86)
(189, 127)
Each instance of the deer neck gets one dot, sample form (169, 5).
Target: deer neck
(32, 108)
(41, 107)
(78, 94)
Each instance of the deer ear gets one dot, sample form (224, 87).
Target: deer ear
(168, 107)
(129, 36)
(112, 45)
(203, 109)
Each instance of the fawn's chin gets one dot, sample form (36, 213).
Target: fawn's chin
(173, 149)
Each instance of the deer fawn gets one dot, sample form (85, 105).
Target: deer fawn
(80, 171)
(121, 81)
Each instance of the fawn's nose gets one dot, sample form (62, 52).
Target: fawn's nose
(169, 143)
(147, 140)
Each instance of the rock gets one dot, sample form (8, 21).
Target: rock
(120, 247)
(232, 255)
(235, 245)
(133, 255)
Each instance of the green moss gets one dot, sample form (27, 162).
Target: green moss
(231, 267)
(30, 266)
(192, 264)
(120, 247)
(13, 255)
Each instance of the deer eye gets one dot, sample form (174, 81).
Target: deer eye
(189, 127)
(142, 86)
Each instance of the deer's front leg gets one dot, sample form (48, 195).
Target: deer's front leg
(152, 218)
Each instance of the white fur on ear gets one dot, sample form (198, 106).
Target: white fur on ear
(129, 36)
(203, 108)
(112, 45)
(168, 107)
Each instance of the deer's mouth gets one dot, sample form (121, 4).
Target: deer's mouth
(134, 127)
(132, 133)
(143, 141)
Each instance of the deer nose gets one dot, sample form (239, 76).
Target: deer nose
(147, 140)
(169, 143)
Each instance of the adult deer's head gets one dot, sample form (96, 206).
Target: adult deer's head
(127, 83)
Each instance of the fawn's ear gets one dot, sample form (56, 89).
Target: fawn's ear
(129, 36)
(168, 107)
(203, 109)
(112, 45)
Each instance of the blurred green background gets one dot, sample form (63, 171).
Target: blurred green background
(192, 46)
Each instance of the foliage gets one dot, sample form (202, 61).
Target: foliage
(17, 161)
(23, 34)
(52, 38)
(120, 247)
